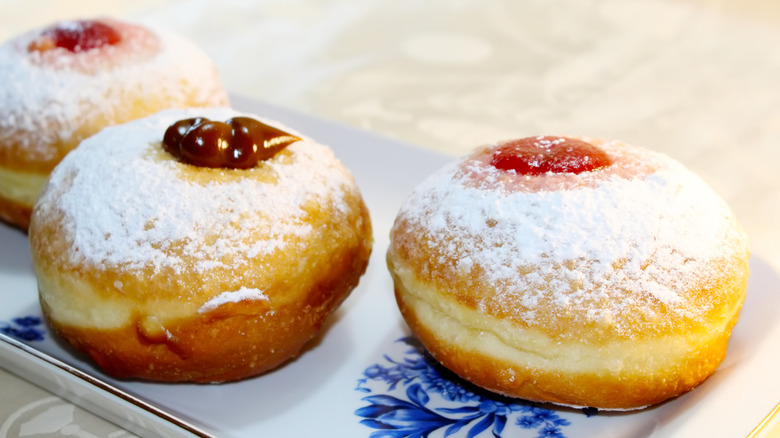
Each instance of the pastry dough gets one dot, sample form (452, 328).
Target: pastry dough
(615, 288)
(167, 271)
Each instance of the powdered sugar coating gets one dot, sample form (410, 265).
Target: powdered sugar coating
(46, 96)
(243, 294)
(598, 246)
(126, 203)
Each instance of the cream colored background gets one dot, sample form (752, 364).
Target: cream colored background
(697, 79)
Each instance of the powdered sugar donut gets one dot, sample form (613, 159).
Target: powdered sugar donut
(63, 83)
(575, 271)
(164, 270)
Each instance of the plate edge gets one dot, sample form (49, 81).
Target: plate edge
(118, 406)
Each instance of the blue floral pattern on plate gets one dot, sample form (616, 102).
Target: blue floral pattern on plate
(26, 328)
(415, 397)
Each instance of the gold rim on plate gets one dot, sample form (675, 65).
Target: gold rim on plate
(769, 426)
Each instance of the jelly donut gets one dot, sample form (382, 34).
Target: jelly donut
(581, 272)
(166, 268)
(63, 83)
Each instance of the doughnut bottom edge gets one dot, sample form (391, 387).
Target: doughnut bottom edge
(525, 363)
(239, 340)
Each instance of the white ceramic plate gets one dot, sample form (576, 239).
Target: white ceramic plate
(362, 376)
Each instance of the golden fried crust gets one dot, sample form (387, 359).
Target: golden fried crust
(15, 213)
(162, 337)
(560, 362)
(436, 267)
(527, 363)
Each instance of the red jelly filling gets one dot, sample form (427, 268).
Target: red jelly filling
(540, 155)
(76, 36)
(238, 143)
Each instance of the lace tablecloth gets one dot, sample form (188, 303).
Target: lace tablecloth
(697, 79)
